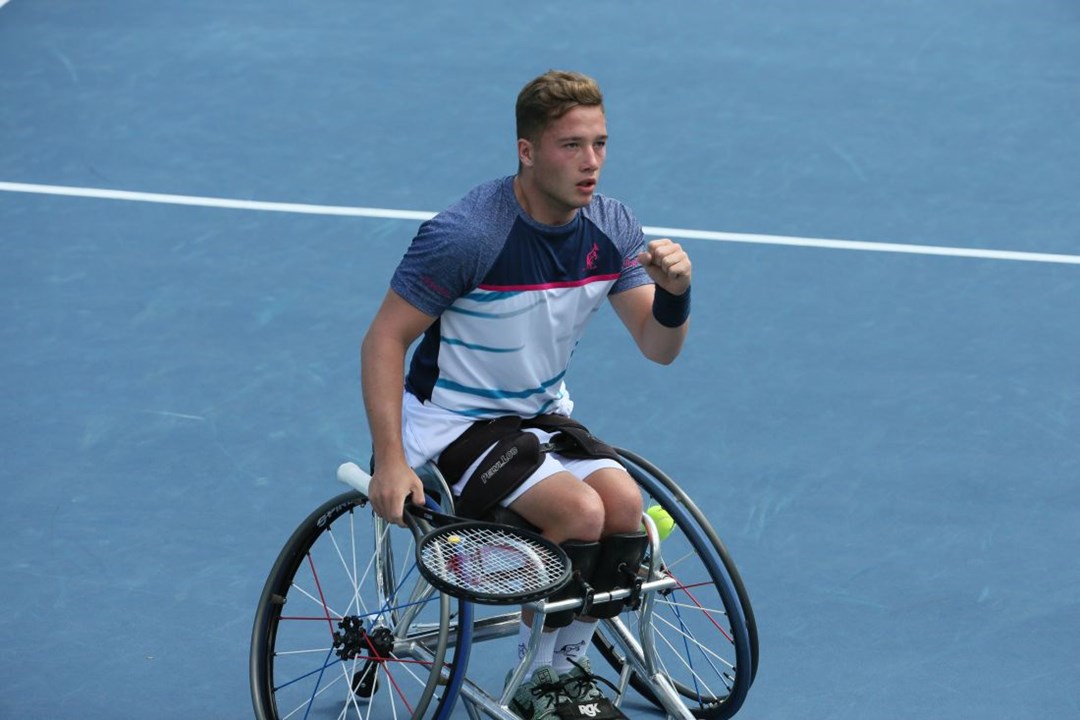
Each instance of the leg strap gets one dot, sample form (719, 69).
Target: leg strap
(583, 556)
(617, 567)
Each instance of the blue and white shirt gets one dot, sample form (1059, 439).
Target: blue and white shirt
(512, 298)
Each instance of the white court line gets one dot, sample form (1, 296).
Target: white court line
(214, 202)
(3, 3)
(678, 233)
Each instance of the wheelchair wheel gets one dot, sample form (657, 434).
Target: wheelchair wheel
(347, 628)
(701, 634)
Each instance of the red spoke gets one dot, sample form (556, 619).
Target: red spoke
(686, 589)
(389, 675)
(322, 598)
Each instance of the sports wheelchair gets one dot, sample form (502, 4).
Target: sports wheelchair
(347, 628)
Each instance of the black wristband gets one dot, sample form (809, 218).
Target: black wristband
(670, 310)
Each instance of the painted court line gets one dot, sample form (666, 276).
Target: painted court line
(211, 202)
(682, 234)
(866, 246)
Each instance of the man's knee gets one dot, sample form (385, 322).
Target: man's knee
(621, 498)
(585, 513)
(564, 508)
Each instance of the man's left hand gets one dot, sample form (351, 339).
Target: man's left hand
(667, 264)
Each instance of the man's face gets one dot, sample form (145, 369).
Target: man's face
(566, 163)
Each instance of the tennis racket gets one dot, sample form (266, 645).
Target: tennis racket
(483, 562)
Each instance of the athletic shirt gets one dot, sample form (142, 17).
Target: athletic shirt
(512, 298)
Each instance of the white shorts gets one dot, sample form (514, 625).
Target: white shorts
(426, 430)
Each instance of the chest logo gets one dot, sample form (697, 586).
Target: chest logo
(592, 257)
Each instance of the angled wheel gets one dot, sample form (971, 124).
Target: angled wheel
(347, 628)
(699, 646)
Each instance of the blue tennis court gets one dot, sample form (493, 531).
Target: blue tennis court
(201, 204)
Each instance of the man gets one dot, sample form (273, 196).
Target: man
(501, 286)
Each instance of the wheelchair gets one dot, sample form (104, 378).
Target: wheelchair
(346, 627)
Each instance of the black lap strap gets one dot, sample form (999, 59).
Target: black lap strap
(502, 470)
(583, 445)
(460, 454)
(515, 456)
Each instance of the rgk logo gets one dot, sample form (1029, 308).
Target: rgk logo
(601, 709)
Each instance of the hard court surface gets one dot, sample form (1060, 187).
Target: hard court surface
(885, 430)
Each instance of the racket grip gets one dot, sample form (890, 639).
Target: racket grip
(351, 474)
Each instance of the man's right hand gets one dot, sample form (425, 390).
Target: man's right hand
(390, 485)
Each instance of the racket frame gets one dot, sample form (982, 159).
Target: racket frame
(439, 524)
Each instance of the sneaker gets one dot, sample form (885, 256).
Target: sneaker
(579, 683)
(537, 696)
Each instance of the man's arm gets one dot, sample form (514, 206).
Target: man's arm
(382, 362)
(669, 267)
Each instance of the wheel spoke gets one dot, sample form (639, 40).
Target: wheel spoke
(329, 578)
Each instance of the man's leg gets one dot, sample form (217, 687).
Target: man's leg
(620, 497)
(622, 514)
(564, 508)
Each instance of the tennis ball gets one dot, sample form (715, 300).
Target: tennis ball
(453, 539)
(664, 522)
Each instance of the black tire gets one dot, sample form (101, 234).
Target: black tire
(363, 637)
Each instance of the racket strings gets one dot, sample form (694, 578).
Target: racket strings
(491, 562)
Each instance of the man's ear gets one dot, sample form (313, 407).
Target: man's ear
(525, 152)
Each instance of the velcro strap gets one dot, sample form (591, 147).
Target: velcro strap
(585, 445)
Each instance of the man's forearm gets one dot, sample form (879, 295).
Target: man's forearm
(382, 364)
(663, 344)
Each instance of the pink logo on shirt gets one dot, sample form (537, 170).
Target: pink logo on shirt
(430, 284)
(592, 257)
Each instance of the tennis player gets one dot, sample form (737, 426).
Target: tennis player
(500, 286)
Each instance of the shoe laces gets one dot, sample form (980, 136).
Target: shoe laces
(540, 689)
(584, 683)
(547, 695)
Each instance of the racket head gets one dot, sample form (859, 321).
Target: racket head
(492, 564)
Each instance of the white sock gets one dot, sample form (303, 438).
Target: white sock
(572, 644)
(543, 653)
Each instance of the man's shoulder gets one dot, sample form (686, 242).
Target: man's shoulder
(486, 204)
(478, 222)
(611, 216)
(453, 250)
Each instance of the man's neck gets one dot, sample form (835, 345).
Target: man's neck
(532, 203)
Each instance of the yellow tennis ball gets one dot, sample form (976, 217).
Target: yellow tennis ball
(453, 539)
(664, 522)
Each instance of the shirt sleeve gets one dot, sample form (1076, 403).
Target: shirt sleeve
(435, 269)
(630, 239)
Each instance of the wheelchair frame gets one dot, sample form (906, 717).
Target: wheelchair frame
(407, 625)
